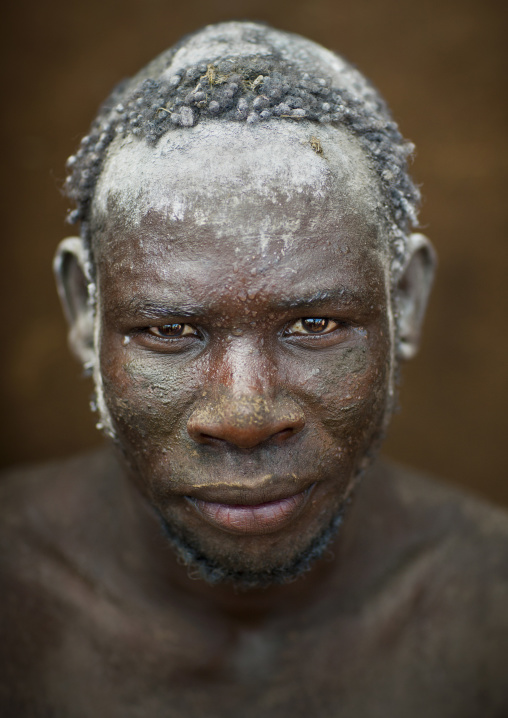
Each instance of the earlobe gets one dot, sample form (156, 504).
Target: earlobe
(412, 294)
(72, 273)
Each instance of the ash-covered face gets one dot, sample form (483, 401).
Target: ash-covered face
(245, 336)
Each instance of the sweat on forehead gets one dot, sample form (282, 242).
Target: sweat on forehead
(192, 168)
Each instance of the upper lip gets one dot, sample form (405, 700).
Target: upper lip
(263, 491)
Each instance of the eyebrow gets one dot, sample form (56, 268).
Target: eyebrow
(137, 306)
(140, 307)
(343, 295)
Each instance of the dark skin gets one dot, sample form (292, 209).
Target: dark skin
(221, 420)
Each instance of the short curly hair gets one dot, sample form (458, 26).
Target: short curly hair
(249, 72)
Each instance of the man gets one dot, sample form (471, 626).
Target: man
(244, 288)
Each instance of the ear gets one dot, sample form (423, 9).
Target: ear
(72, 273)
(412, 293)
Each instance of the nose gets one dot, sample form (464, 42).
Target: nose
(245, 421)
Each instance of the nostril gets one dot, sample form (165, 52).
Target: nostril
(209, 439)
(282, 435)
(244, 439)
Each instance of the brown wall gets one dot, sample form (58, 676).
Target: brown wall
(442, 66)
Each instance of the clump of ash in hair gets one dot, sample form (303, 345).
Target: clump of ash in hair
(271, 77)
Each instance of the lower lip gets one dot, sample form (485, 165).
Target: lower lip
(259, 519)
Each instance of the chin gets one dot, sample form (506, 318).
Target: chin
(245, 574)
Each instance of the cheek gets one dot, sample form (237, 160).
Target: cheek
(351, 392)
(147, 398)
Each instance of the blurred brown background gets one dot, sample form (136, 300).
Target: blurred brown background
(441, 65)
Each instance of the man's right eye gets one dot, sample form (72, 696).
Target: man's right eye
(175, 330)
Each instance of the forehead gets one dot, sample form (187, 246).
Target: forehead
(224, 208)
(192, 171)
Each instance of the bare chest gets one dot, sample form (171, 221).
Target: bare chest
(107, 661)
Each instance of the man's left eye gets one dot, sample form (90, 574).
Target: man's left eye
(175, 330)
(312, 326)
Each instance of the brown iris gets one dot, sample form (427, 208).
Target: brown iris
(315, 325)
(172, 330)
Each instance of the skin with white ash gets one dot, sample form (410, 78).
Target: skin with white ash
(238, 548)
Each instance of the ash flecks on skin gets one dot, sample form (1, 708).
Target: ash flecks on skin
(105, 422)
(136, 174)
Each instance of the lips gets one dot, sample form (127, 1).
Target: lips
(252, 518)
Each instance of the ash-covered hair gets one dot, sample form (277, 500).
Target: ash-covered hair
(249, 72)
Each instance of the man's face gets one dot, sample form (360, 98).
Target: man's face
(245, 337)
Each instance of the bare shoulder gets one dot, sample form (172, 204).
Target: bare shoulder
(458, 573)
(42, 554)
(469, 536)
(432, 595)
(48, 504)
(456, 540)
(50, 515)
(468, 523)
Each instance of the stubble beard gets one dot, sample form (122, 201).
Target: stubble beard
(213, 571)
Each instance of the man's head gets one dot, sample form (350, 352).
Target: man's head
(243, 288)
